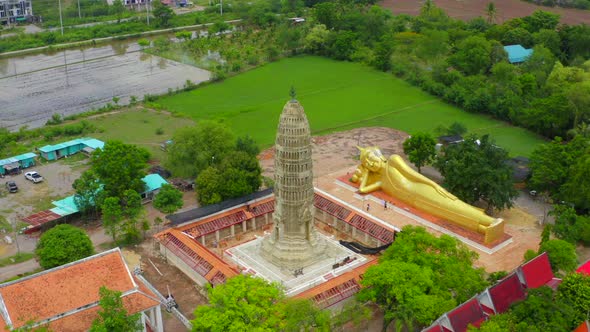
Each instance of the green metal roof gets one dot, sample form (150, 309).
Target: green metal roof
(94, 143)
(68, 205)
(25, 156)
(88, 141)
(65, 206)
(154, 182)
(16, 159)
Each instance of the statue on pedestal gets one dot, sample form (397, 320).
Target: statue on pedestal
(399, 180)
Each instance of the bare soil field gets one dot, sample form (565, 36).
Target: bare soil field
(506, 9)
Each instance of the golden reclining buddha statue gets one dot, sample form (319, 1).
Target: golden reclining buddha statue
(397, 179)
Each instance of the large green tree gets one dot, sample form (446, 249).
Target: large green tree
(112, 315)
(63, 244)
(118, 8)
(88, 192)
(576, 189)
(237, 175)
(120, 167)
(575, 290)
(562, 255)
(168, 200)
(472, 56)
(208, 185)
(162, 13)
(112, 216)
(476, 169)
(247, 303)
(132, 210)
(560, 169)
(196, 148)
(420, 149)
(540, 312)
(570, 226)
(420, 276)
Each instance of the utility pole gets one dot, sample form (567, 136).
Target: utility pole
(221, 7)
(147, 10)
(79, 11)
(61, 22)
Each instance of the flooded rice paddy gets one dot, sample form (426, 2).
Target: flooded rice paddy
(33, 88)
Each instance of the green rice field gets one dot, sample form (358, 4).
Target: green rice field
(336, 96)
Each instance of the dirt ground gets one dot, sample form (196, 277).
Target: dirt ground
(35, 197)
(506, 9)
(172, 280)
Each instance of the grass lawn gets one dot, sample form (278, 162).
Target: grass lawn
(139, 127)
(336, 96)
(19, 258)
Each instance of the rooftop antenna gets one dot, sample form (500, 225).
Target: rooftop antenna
(292, 93)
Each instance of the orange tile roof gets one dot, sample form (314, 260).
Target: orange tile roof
(49, 294)
(334, 282)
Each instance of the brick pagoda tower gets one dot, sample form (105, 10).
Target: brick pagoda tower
(294, 243)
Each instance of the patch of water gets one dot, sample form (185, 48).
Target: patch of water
(76, 81)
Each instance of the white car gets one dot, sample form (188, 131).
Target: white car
(33, 176)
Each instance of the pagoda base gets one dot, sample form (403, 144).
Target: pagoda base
(293, 253)
(334, 260)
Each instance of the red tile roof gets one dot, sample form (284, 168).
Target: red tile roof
(585, 268)
(72, 292)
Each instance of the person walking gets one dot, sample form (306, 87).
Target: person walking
(368, 207)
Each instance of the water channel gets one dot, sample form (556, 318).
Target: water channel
(34, 87)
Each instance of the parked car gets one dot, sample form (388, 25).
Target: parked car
(33, 176)
(11, 186)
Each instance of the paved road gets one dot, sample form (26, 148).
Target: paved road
(20, 268)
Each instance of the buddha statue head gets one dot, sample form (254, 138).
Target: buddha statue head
(372, 158)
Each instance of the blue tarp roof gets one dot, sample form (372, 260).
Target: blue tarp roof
(17, 158)
(517, 53)
(88, 141)
(154, 182)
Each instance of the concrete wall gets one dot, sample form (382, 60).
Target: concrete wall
(182, 266)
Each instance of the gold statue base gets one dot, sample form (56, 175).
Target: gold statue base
(493, 236)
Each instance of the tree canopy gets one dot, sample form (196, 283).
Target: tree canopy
(196, 148)
(247, 303)
(88, 192)
(562, 255)
(476, 169)
(541, 311)
(119, 167)
(169, 199)
(223, 167)
(112, 315)
(420, 149)
(162, 13)
(562, 170)
(419, 277)
(63, 244)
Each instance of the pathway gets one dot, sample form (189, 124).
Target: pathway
(14, 270)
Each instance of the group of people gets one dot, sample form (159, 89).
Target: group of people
(384, 205)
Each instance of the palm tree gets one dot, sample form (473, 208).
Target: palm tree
(427, 7)
(491, 12)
